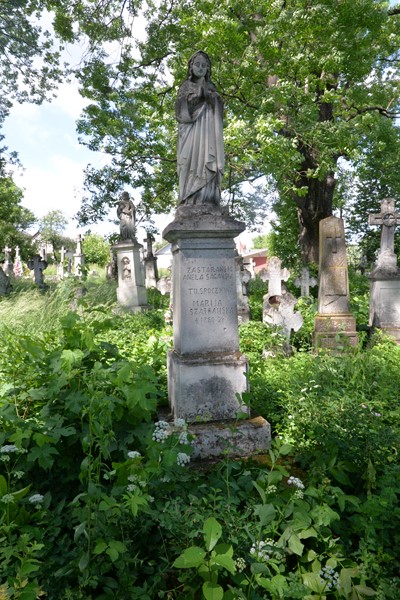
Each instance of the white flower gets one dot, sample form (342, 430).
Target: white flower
(240, 564)
(8, 448)
(36, 499)
(133, 454)
(296, 482)
(183, 438)
(7, 498)
(182, 459)
(260, 552)
(131, 487)
(179, 423)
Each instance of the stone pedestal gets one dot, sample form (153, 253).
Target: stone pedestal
(334, 326)
(151, 273)
(131, 292)
(206, 371)
(385, 301)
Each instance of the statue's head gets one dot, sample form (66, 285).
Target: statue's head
(124, 196)
(204, 56)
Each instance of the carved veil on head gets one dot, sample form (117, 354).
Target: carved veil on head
(191, 62)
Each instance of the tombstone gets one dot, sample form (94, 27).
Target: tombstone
(206, 372)
(274, 274)
(18, 269)
(5, 285)
(150, 263)
(112, 267)
(243, 277)
(43, 250)
(8, 266)
(79, 259)
(304, 282)
(38, 265)
(334, 325)
(131, 291)
(385, 278)
(164, 285)
(60, 266)
(278, 303)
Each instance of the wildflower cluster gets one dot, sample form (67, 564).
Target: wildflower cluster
(261, 551)
(329, 575)
(36, 499)
(134, 454)
(8, 449)
(135, 482)
(296, 482)
(182, 459)
(161, 432)
(240, 564)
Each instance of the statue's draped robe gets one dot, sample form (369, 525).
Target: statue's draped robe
(126, 215)
(200, 153)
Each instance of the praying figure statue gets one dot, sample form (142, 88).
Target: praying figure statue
(127, 218)
(200, 152)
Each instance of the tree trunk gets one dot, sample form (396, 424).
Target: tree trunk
(311, 209)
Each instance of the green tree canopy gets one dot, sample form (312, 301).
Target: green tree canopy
(96, 249)
(52, 226)
(14, 218)
(304, 84)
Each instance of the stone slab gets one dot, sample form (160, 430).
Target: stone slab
(206, 387)
(335, 332)
(230, 439)
(385, 305)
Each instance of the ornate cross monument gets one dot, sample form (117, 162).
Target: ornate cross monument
(334, 326)
(385, 278)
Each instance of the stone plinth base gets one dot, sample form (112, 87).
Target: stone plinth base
(131, 292)
(385, 303)
(206, 387)
(334, 332)
(230, 438)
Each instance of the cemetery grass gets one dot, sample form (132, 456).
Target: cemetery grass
(98, 498)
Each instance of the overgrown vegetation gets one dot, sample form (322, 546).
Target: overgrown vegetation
(98, 499)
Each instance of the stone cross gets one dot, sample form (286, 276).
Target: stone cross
(388, 219)
(149, 242)
(38, 265)
(62, 254)
(17, 263)
(274, 275)
(17, 254)
(304, 282)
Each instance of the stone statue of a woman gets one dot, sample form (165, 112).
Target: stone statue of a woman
(126, 214)
(200, 153)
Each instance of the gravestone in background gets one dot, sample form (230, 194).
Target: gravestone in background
(150, 263)
(8, 266)
(334, 326)
(60, 266)
(131, 291)
(38, 265)
(243, 277)
(79, 259)
(5, 284)
(385, 278)
(304, 282)
(17, 269)
(278, 303)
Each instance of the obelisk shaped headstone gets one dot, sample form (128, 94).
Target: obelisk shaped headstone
(150, 263)
(385, 278)
(335, 326)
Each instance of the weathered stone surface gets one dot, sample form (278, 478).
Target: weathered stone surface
(205, 369)
(386, 264)
(151, 272)
(79, 259)
(304, 282)
(274, 274)
(205, 387)
(38, 266)
(131, 292)
(334, 320)
(231, 438)
(279, 311)
(243, 277)
(5, 284)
